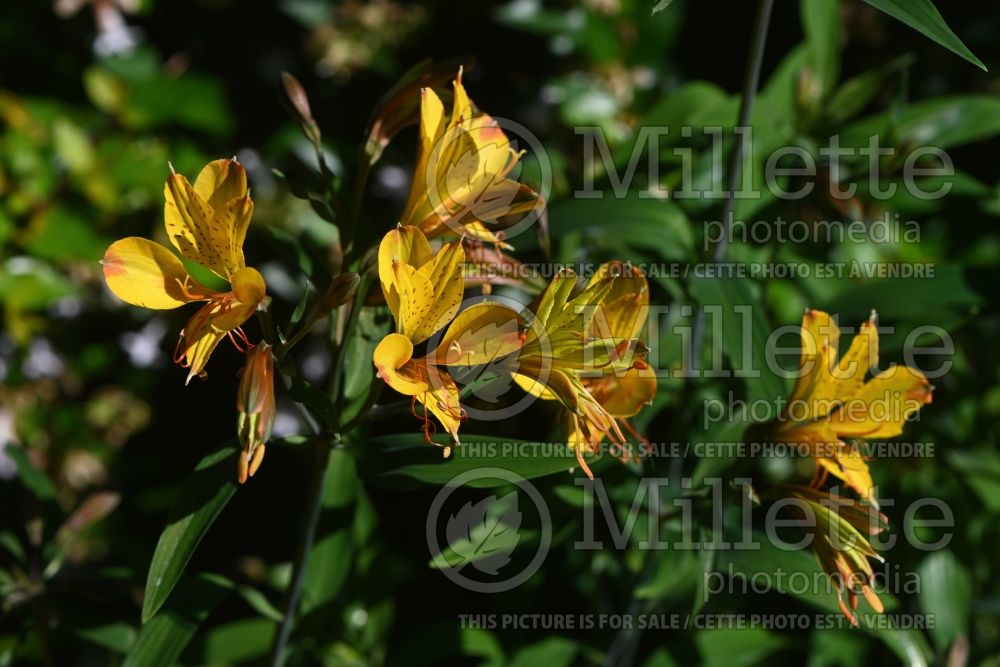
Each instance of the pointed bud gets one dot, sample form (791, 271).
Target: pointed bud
(299, 103)
(255, 409)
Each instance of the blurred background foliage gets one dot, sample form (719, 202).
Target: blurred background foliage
(99, 434)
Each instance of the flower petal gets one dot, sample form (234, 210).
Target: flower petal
(198, 340)
(883, 404)
(201, 232)
(144, 273)
(406, 245)
(393, 360)
(481, 334)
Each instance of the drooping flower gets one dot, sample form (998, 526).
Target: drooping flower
(837, 402)
(840, 528)
(460, 181)
(561, 346)
(207, 223)
(255, 409)
(423, 290)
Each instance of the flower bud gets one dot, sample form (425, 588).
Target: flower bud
(255, 409)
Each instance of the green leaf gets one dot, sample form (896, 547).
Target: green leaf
(33, 479)
(649, 224)
(942, 122)
(235, 643)
(552, 652)
(330, 560)
(660, 6)
(739, 316)
(737, 646)
(905, 298)
(163, 638)
(909, 645)
(405, 461)
(203, 497)
(923, 16)
(946, 596)
(821, 23)
(316, 400)
(981, 471)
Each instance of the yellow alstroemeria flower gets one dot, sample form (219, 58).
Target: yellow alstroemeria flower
(622, 390)
(561, 344)
(423, 290)
(207, 223)
(460, 181)
(834, 401)
(840, 528)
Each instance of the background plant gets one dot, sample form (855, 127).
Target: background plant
(104, 437)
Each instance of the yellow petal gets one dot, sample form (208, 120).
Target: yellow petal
(442, 400)
(625, 308)
(431, 131)
(393, 361)
(815, 390)
(481, 334)
(849, 465)
(198, 340)
(462, 106)
(444, 273)
(881, 407)
(626, 395)
(248, 286)
(199, 231)
(533, 387)
(406, 245)
(144, 273)
(851, 371)
(220, 182)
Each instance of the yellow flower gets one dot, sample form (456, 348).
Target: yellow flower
(255, 409)
(423, 290)
(840, 528)
(460, 181)
(834, 401)
(207, 223)
(622, 390)
(562, 344)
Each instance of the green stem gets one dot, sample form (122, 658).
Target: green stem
(301, 562)
(751, 79)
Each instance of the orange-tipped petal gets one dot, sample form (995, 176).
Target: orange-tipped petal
(144, 273)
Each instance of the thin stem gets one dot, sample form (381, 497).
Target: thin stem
(299, 566)
(751, 79)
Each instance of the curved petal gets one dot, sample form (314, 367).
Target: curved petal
(442, 400)
(248, 286)
(625, 308)
(816, 388)
(198, 340)
(393, 361)
(481, 334)
(403, 245)
(144, 273)
(624, 396)
(203, 232)
(882, 406)
(431, 130)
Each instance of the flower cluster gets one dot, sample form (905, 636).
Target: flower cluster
(837, 402)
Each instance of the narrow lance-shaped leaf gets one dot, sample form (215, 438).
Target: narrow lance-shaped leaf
(923, 16)
(206, 492)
